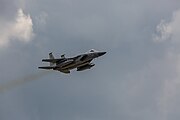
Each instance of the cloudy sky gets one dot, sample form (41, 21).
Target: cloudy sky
(138, 78)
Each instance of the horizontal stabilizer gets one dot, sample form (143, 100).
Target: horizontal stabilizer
(46, 67)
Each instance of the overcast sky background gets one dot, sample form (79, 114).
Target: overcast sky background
(138, 78)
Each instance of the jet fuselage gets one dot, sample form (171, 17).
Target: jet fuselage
(81, 62)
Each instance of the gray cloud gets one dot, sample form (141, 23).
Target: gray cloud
(136, 79)
(8, 11)
(170, 34)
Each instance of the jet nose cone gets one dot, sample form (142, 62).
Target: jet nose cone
(101, 53)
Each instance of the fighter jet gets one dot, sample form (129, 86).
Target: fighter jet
(80, 62)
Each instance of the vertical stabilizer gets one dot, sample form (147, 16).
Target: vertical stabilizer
(51, 57)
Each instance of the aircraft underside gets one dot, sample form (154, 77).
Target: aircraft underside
(66, 68)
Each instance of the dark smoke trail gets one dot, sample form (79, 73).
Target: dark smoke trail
(22, 80)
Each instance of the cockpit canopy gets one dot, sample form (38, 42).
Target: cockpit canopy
(92, 50)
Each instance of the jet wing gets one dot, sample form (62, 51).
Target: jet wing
(53, 60)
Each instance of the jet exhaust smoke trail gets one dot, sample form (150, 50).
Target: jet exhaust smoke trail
(22, 80)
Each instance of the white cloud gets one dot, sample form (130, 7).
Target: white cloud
(169, 30)
(164, 30)
(20, 29)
